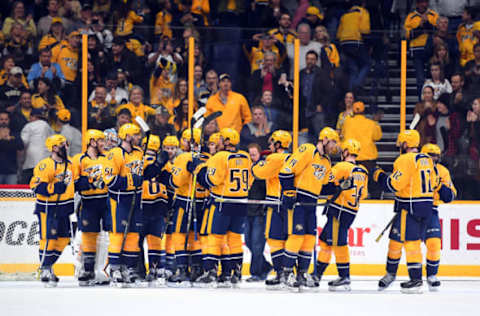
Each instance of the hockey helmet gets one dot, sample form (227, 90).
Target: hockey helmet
(128, 129)
(231, 135)
(170, 141)
(329, 133)
(281, 136)
(93, 134)
(55, 140)
(197, 134)
(153, 142)
(352, 145)
(431, 149)
(409, 136)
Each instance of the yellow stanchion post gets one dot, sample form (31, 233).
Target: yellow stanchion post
(191, 66)
(296, 90)
(84, 87)
(403, 86)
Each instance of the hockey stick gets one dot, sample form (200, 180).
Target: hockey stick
(390, 223)
(146, 129)
(193, 204)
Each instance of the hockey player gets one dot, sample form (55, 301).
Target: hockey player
(413, 180)
(341, 213)
(185, 213)
(171, 145)
(154, 209)
(123, 177)
(228, 176)
(52, 183)
(268, 170)
(93, 213)
(302, 178)
(445, 192)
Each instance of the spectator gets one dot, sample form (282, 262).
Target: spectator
(126, 20)
(55, 35)
(7, 64)
(275, 111)
(457, 97)
(115, 95)
(452, 10)
(322, 37)
(122, 58)
(209, 89)
(315, 100)
(45, 68)
(442, 36)
(367, 132)
(442, 125)
(472, 69)
(283, 33)
(180, 120)
(179, 93)
(306, 45)
(66, 55)
(426, 109)
(258, 130)
(162, 82)
(19, 46)
(265, 78)
(467, 35)
(21, 114)
(234, 107)
(97, 28)
(438, 82)
(45, 22)
(73, 135)
(11, 151)
(441, 56)
(348, 101)
(163, 20)
(34, 134)
(197, 79)
(313, 17)
(160, 125)
(354, 26)
(255, 225)
(101, 114)
(10, 92)
(256, 49)
(136, 106)
(124, 116)
(417, 25)
(47, 99)
(18, 16)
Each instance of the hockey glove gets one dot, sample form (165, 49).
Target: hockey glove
(376, 172)
(192, 165)
(59, 187)
(346, 184)
(288, 199)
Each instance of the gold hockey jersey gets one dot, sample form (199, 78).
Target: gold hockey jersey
(91, 168)
(311, 170)
(181, 179)
(350, 199)
(268, 170)
(446, 180)
(48, 172)
(122, 164)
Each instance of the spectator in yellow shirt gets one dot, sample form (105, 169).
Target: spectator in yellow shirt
(127, 20)
(54, 36)
(348, 101)
(46, 98)
(234, 106)
(66, 55)
(367, 132)
(136, 106)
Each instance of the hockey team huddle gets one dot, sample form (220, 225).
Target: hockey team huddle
(189, 200)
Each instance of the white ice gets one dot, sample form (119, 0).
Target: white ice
(30, 298)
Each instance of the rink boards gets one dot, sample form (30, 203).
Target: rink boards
(460, 242)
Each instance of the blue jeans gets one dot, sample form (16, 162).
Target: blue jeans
(255, 241)
(357, 63)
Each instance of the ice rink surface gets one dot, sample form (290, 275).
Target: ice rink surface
(456, 297)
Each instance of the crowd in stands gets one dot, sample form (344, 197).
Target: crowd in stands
(244, 60)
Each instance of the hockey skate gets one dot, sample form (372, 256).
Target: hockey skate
(116, 276)
(306, 283)
(152, 277)
(433, 283)
(224, 281)
(208, 279)
(411, 287)
(102, 277)
(386, 281)
(86, 278)
(48, 277)
(277, 283)
(195, 273)
(342, 284)
(236, 277)
(291, 281)
(180, 279)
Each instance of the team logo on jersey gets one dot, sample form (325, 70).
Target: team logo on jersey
(65, 177)
(94, 172)
(319, 171)
(84, 222)
(135, 166)
(299, 227)
(42, 167)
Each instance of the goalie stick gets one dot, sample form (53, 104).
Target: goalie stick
(146, 130)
